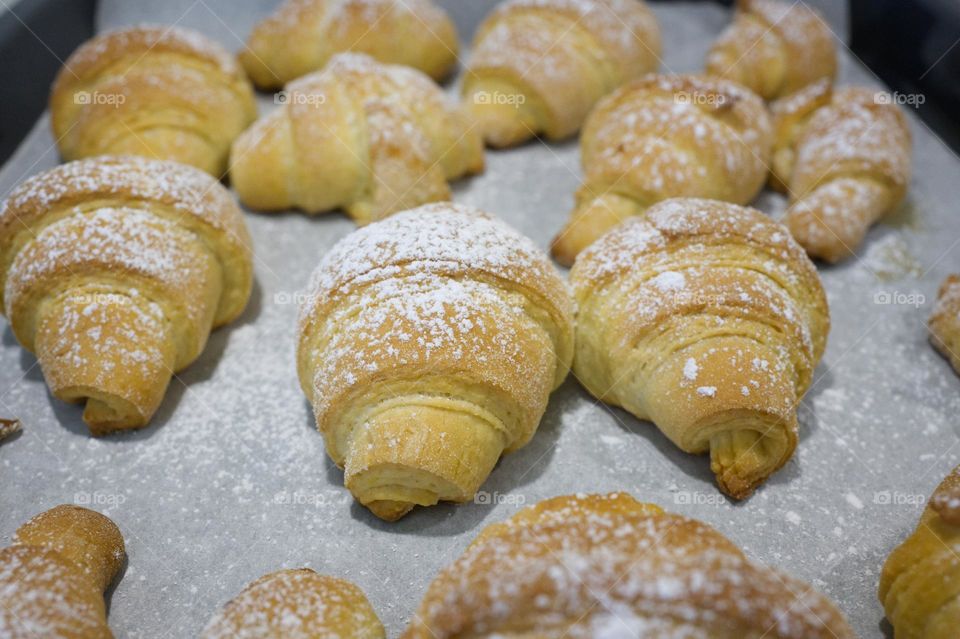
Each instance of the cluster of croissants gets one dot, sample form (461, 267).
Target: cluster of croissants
(432, 337)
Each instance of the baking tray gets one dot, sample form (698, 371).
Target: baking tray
(231, 481)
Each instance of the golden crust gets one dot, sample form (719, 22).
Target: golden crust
(302, 35)
(539, 66)
(944, 323)
(162, 92)
(296, 604)
(581, 566)
(360, 135)
(666, 136)
(707, 319)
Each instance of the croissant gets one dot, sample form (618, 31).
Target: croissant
(595, 566)
(367, 137)
(296, 604)
(920, 581)
(539, 66)
(115, 269)
(774, 48)
(844, 158)
(162, 92)
(945, 321)
(661, 137)
(54, 575)
(302, 35)
(428, 346)
(707, 319)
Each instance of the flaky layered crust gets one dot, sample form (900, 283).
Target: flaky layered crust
(597, 566)
(944, 322)
(162, 92)
(539, 66)
(707, 319)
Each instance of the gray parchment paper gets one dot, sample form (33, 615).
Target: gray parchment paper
(231, 481)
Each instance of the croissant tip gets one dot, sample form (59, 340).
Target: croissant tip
(389, 510)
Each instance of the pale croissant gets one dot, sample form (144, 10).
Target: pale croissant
(593, 566)
(162, 92)
(367, 137)
(944, 322)
(115, 269)
(53, 577)
(844, 157)
(774, 48)
(920, 581)
(296, 604)
(661, 137)
(707, 319)
(539, 66)
(428, 347)
(302, 35)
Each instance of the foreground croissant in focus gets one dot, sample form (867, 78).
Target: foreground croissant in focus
(364, 136)
(296, 604)
(774, 48)
(592, 566)
(304, 34)
(114, 271)
(428, 347)
(945, 321)
(707, 319)
(844, 158)
(54, 575)
(661, 137)
(162, 92)
(920, 581)
(539, 66)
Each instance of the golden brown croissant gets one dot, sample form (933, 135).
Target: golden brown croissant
(844, 158)
(707, 319)
(592, 567)
(162, 92)
(114, 270)
(428, 347)
(945, 321)
(920, 581)
(296, 604)
(539, 66)
(53, 576)
(774, 48)
(364, 136)
(661, 137)
(304, 34)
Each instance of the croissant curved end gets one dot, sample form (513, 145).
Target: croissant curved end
(744, 456)
(502, 112)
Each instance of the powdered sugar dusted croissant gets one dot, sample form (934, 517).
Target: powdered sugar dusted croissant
(661, 137)
(53, 576)
(115, 269)
(364, 136)
(163, 92)
(920, 581)
(304, 34)
(774, 48)
(429, 346)
(296, 604)
(945, 321)
(539, 66)
(707, 319)
(592, 566)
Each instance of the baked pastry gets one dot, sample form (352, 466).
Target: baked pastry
(920, 581)
(162, 92)
(296, 604)
(302, 35)
(844, 158)
(367, 137)
(661, 137)
(594, 566)
(54, 575)
(428, 346)
(774, 48)
(945, 321)
(539, 66)
(707, 319)
(114, 271)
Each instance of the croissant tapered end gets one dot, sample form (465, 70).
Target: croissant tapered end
(592, 217)
(503, 113)
(944, 323)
